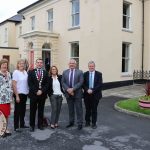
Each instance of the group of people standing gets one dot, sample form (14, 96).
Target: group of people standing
(38, 83)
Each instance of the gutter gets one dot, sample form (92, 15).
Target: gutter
(143, 15)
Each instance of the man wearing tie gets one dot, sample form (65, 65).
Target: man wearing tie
(38, 87)
(72, 81)
(92, 93)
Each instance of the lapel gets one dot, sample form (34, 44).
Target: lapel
(87, 78)
(94, 79)
(67, 75)
(75, 75)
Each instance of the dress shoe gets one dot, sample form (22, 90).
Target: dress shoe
(94, 126)
(70, 125)
(24, 126)
(79, 127)
(31, 129)
(87, 124)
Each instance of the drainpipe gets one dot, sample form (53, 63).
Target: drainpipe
(142, 38)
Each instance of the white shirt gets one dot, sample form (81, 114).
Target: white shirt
(56, 87)
(21, 79)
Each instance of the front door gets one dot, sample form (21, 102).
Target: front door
(46, 56)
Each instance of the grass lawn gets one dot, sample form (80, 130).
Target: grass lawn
(132, 105)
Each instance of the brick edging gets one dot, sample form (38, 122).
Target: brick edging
(130, 112)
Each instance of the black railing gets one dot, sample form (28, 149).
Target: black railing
(142, 76)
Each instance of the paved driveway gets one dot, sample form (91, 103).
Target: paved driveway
(116, 131)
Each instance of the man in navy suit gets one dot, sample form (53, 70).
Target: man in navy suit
(92, 93)
(38, 87)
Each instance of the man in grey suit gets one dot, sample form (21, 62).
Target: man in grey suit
(72, 81)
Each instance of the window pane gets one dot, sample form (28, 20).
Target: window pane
(127, 22)
(123, 65)
(125, 57)
(126, 15)
(125, 9)
(50, 26)
(50, 15)
(75, 20)
(75, 53)
(123, 50)
(127, 51)
(33, 22)
(124, 21)
(74, 50)
(75, 12)
(50, 20)
(126, 65)
(75, 6)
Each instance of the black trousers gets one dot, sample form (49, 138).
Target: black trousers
(91, 104)
(19, 112)
(37, 102)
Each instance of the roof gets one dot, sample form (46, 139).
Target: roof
(17, 19)
(29, 6)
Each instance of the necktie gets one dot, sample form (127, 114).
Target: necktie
(39, 73)
(90, 81)
(71, 79)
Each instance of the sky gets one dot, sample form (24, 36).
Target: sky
(9, 8)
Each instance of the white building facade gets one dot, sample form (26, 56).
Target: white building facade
(107, 32)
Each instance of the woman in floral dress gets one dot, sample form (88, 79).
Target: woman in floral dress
(5, 91)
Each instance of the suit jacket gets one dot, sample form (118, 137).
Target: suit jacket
(34, 83)
(50, 89)
(78, 82)
(97, 89)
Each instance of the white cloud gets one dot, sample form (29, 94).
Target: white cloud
(10, 8)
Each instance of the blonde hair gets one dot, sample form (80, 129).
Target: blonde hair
(20, 60)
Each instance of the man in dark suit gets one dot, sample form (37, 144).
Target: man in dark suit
(72, 81)
(92, 93)
(38, 87)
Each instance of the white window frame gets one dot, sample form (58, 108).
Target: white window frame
(75, 14)
(126, 58)
(127, 16)
(6, 35)
(33, 23)
(74, 57)
(50, 14)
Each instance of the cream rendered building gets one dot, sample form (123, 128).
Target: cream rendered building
(8, 47)
(109, 32)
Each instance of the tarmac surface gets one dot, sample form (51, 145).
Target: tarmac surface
(115, 131)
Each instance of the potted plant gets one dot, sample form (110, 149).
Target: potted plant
(144, 101)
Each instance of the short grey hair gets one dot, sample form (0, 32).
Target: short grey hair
(73, 60)
(91, 62)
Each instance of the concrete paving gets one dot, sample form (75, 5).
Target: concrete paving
(131, 91)
(115, 131)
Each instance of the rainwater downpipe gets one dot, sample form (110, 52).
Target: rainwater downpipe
(142, 38)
